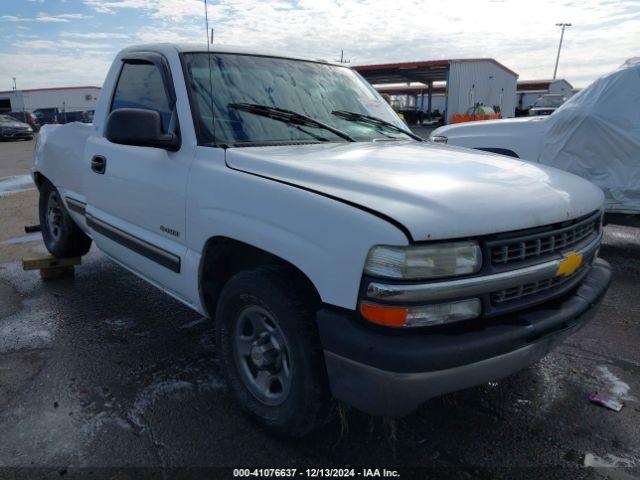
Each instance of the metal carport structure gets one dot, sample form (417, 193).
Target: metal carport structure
(468, 81)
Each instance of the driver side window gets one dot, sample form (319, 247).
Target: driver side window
(140, 86)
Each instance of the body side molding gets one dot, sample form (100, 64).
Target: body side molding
(142, 247)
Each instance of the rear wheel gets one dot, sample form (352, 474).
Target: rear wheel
(270, 352)
(61, 235)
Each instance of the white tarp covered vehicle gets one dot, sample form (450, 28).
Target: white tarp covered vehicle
(595, 134)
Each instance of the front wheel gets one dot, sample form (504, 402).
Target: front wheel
(270, 352)
(62, 237)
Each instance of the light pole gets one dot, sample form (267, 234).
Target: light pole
(342, 59)
(563, 25)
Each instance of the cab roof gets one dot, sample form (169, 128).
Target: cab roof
(217, 48)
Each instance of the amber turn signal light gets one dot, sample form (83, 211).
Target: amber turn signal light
(384, 315)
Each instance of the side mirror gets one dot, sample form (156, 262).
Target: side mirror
(139, 127)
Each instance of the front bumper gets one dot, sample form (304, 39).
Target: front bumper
(16, 134)
(392, 374)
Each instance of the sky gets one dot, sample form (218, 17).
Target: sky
(45, 43)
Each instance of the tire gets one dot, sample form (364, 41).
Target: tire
(61, 235)
(295, 398)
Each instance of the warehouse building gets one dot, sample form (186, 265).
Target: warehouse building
(528, 91)
(466, 83)
(69, 99)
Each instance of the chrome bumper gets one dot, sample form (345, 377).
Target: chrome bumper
(468, 287)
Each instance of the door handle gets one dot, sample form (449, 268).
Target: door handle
(99, 164)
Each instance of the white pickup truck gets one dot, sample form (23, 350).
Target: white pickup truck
(339, 255)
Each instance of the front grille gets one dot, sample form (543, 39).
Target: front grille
(502, 297)
(526, 247)
(17, 132)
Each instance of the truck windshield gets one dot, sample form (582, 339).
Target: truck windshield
(549, 101)
(311, 89)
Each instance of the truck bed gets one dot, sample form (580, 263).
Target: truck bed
(63, 146)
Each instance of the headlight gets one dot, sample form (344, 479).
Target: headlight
(438, 139)
(424, 261)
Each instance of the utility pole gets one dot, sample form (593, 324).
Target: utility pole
(342, 59)
(563, 25)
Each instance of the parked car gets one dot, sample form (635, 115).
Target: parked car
(26, 117)
(12, 129)
(594, 134)
(47, 115)
(547, 104)
(57, 116)
(338, 254)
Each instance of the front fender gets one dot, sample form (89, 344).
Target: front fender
(324, 238)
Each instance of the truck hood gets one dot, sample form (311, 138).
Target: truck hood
(435, 191)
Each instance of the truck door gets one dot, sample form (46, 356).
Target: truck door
(136, 195)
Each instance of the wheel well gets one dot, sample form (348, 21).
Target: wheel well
(223, 257)
(39, 179)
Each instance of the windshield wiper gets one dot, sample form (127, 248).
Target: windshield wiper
(287, 116)
(359, 117)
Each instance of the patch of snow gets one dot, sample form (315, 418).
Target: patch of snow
(25, 239)
(16, 184)
(165, 388)
(618, 388)
(119, 323)
(193, 323)
(16, 334)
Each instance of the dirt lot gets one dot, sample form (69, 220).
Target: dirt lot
(102, 375)
(18, 199)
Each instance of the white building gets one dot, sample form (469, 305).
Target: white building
(467, 82)
(69, 99)
(529, 90)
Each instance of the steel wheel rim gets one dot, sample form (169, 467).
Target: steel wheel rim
(262, 355)
(54, 216)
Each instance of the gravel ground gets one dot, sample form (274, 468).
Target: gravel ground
(104, 374)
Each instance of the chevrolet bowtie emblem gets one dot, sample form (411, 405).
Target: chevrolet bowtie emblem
(569, 264)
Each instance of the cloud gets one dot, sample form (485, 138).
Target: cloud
(50, 19)
(55, 67)
(60, 18)
(72, 16)
(604, 34)
(13, 18)
(95, 35)
(159, 9)
(46, 18)
(60, 45)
